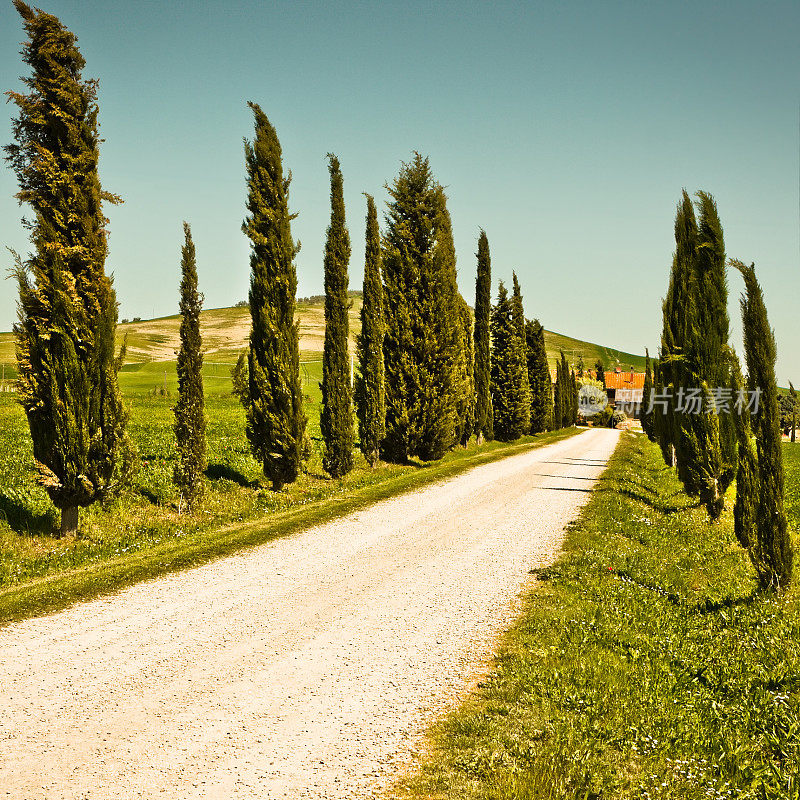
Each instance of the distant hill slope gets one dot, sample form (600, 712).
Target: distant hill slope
(225, 332)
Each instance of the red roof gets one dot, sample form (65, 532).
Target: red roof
(624, 380)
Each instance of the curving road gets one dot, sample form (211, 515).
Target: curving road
(306, 667)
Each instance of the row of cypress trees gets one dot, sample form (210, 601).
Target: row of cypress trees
(702, 426)
(427, 380)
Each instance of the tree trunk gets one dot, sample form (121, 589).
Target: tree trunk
(480, 438)
(794, 425)
(69, 520)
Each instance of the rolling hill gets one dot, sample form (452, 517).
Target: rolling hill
(152, 346)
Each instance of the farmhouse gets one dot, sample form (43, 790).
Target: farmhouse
(624, 390)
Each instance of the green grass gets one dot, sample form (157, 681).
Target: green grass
(141, 534)
(611, 358)
(644, 664)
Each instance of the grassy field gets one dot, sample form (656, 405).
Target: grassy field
(644, 665)
(141, 533)
(591, 353)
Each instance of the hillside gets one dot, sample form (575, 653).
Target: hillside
(152, 345)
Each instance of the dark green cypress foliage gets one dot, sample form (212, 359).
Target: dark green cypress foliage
(276, 420)
(519, 324)
(336, 419)
(539, 378)
(67, 306)
(566, 394)
(509, 369)
(601, 375)
(773, 548)
(370, 390)
(190, 418)
(710, 352)
(483, 308)
(558, 399)
(457, 366)
(240, 382)
(793, 395)
(705, 443)
(418, 342)
(660, 421)
(744, 508)
(574, 398)
(645, 414)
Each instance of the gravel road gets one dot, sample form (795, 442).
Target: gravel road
(307, 667)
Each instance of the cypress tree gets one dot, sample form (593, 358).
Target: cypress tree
(647, 416)
(420, 320)
(558, 399)
(67, 305)
(483, 308)
(771, 548)
(336, 419)
(509, 369)
(240, 382)
(370, 391)
(456, 332)
(190, 418)
(466, 403)
(696, 343)
(793, 395)
(518, 312)
(566, 393)
(538, 378)
(601, 375)
(276, 421)
(744, 508)
(574, 398)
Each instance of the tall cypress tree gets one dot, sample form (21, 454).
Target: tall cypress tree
(566, 393)
(190, 418)
(276, 421)
(646, 413)
(466, 403)
(771, 548)
(793, 395)
(574, 397)
(538, 378)
(67, 306)
(455, 330)
(696, 354)
(601, 375)
(420, 319)
(336, 419)
(483, 308)
(558, 399)
(370, 390)
(518, 313)
(509, 370)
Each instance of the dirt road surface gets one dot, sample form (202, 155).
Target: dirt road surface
(307, 667)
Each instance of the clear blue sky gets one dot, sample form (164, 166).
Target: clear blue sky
(566, 130)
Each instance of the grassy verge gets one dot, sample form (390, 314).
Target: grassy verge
(166, 541)
(644, 664)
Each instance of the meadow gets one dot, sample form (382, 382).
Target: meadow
(644, 663)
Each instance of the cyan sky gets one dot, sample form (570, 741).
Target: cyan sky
(566, 130)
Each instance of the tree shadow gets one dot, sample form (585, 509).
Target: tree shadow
(151, 497)
(23, 521)
(216, 472)
(649, 497)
